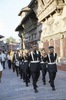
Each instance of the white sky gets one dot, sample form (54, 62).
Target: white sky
(9, 18)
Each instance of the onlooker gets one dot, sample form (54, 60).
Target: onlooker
(1, 68)
(3, 59)
(9, 60)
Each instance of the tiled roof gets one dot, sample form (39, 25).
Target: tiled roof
(1, 36)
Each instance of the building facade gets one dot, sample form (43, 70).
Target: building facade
(44, 23)
(53, 22)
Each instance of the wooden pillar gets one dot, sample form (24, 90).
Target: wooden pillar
(62, 46)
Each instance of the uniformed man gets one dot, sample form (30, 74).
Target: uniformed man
(52, 67)
(17, 62)
(21, 61)
(13, 61)
(35, 66)
(44, 61)
(25, 68)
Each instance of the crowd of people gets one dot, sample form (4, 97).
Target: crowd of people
(28, 63)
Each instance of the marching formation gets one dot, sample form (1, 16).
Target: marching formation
(29, 63)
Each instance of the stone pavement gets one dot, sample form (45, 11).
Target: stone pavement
(13, 88)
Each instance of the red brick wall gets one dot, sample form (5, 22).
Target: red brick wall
(62, 67)
(51, 42)
(57, 46)
(46, 45)
(65, 46)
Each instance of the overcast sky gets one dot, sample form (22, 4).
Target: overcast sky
(9, 18)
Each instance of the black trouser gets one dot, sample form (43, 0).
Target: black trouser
(13, 66)
(52, 76)
(35, 76)
(35, 71)
(29, 73)
(21, 73)
(17, 70)
(44, 71)
(25, 75)
(3, 63)
(26, 78)
(44, 75)
(9, 64)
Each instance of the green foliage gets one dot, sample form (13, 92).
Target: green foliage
(10, 40)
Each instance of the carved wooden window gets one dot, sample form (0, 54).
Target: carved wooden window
(34, 36)
(60, 1)
(42, 2)
(63, 1)
(40, 33)
(29, 38)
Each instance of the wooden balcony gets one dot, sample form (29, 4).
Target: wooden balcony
(31, 27)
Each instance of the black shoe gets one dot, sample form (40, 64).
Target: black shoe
(49, 81)
(36, 90)
(17, 74)
(44, 83)
(26, 85)
(23, 80)
(36, 86)
(13, 71)
(20, 77)
(0, 80)
(53, 88)
(28, 81)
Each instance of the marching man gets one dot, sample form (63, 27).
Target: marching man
(35, 66)
(52, 67)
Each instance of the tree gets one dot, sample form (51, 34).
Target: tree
(10, 40)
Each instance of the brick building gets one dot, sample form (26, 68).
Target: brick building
(44, 22)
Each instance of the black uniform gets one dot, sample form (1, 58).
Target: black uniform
(17, 64)
(43, 64)
(21, 62)
(52, 68)
(26, 70)
(13, 62)
(35, 67)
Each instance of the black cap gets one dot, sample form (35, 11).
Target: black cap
(51, 47)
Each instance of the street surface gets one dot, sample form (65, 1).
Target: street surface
(13, 88)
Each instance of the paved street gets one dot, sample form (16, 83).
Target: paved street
(13, 88)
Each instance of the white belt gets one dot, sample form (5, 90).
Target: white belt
(34, 61)
(52, 63)
(25, 61)
(42, 62)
